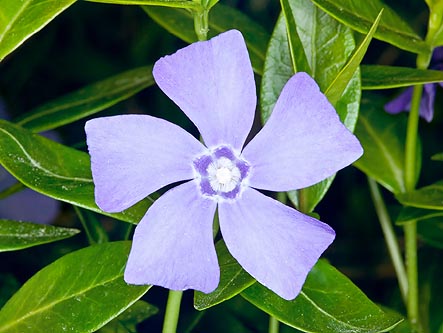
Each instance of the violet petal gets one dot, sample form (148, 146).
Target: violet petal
(303, 141)
(276, 244)
(135, 155)
(213, 83)
(173, 245)
(401, 103)
(427, 102)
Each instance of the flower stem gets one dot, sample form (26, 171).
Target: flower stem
(390, 238)
(172, 311)
(273, 325)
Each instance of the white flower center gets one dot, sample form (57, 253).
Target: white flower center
(223, 175)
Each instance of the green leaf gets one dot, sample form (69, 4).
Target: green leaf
(79, 292)
(431, 231)
(221, 18)
(19, 20)
(409, 214)
(55, 170)
(329, 302)
(382, 137)
(359, 15)
(127, 321)
(188, 4)
(437, 157)
(17, 235)
(327, 45)
(341, 81)
(233, 280)
(428, 197)
(88, 100)
(386, 77)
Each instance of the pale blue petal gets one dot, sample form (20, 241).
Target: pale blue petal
(135, 155)
(173, 245)
(213, 83)
(276, 244)
(302, 143)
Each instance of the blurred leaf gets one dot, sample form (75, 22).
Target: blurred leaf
(233, 280)
(20, 19)
(55, 170)
(327, 45)
(329, 302)
(428, 197)
(386, 77)
(409, 214)
(382, 137)
(431, 289)
(189, 4)
(360, 15)
(435, 23)
(17, 235)
(79, 292)
(437, 157)
(94, 229)
(127, 321)
(431, 231)
(338, 85)
(222, 18)
(88, 100)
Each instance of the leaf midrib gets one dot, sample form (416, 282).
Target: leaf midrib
(14, 19)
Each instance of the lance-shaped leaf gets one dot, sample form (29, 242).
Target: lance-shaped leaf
(55, 170)
(328, 302)
(79, 292)
(188, 4)
(17, 235)
(386, 77)
(88, 100)
(19, 20)
(360, 15)
(409, 214)
(233, 280)
(428, 197)
(222, 18)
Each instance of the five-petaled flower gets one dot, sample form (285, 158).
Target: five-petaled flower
(302, 143)
(403, 101)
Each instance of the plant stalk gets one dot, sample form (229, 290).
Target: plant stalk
(172, 311)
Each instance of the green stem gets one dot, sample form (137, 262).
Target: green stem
(273, 325)
(410, 230)
(172, 311)
(390, 238)
(17, 187)
(201, 23)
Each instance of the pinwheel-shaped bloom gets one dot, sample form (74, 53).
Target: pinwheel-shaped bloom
(403, 101)
(302, 143)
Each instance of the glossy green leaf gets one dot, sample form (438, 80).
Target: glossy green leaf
(188, 4)
(233, 280)
(127, 321)
(428, 197)
(222, 18)
(55, 170)
(409, 214)
(386, 77)
(328, 302)
(359, 15)
(327, 45)
(20, 19)
(88, 100)
(16, 235)
(382, 137)
(338, 85)
(437, 157)
(79, 292)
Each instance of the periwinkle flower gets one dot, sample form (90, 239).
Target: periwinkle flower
(403, 101)
(302, 143)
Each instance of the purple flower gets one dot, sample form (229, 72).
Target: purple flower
(403, 101)
(302, 143)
